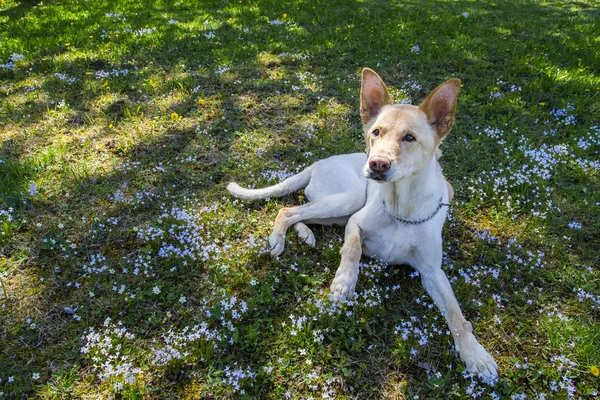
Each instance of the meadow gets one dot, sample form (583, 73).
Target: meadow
(128, 272)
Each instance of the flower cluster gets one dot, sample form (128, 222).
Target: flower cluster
(186, 237)
(237, 377)
(144, 31)
(216, 331)
(65, 78)
(108, 350)
(564, 116)
(114, 72)
(14, 57)
(520, 181)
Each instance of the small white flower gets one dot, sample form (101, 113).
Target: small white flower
(221, 70)
(415, 49)
(156, 290)
(35, 376)
(575, 225)
(495, 94)
(268, 369)
(465, 14)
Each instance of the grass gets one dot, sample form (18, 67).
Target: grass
(126, 271)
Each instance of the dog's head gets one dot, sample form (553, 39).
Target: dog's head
(402, 139)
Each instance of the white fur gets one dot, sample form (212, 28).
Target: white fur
(290, 185)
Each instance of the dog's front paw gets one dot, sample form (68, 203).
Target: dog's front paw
(478, 360)
(343, 285)
(277, 243)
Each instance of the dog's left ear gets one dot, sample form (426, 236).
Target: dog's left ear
(440, 106)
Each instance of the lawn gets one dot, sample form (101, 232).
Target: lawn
(127, 271)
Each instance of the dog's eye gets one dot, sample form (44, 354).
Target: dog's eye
(409, 138)
(375, 132)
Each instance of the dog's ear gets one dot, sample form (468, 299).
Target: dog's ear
(373, 95)
(440, 106)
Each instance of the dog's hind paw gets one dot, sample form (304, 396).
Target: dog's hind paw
(305, 234)
(277, 243)
(478, 360)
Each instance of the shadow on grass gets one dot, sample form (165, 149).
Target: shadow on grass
(20, 9)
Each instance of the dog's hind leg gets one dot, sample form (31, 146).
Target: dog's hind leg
(328, 207)
(305, 234)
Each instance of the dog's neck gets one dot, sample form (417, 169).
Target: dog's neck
(417, 196)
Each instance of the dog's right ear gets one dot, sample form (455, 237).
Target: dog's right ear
(373, 95)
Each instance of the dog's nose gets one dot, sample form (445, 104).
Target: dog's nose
(379, 164)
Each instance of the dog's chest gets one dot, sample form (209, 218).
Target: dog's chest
(394, 244)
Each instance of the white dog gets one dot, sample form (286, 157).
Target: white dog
(393, 201)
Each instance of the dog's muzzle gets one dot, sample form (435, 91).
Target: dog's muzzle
(378, 168)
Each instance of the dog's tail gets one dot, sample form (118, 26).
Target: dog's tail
(289, 185)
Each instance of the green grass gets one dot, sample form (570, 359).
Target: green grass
(127, 271)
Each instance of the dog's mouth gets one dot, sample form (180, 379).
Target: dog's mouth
(376, 176)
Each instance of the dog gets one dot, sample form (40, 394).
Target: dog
(392, 201)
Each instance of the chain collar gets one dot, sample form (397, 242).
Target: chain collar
(420, 221)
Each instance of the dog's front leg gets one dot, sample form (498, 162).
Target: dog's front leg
(474, 355)
(346, 275)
